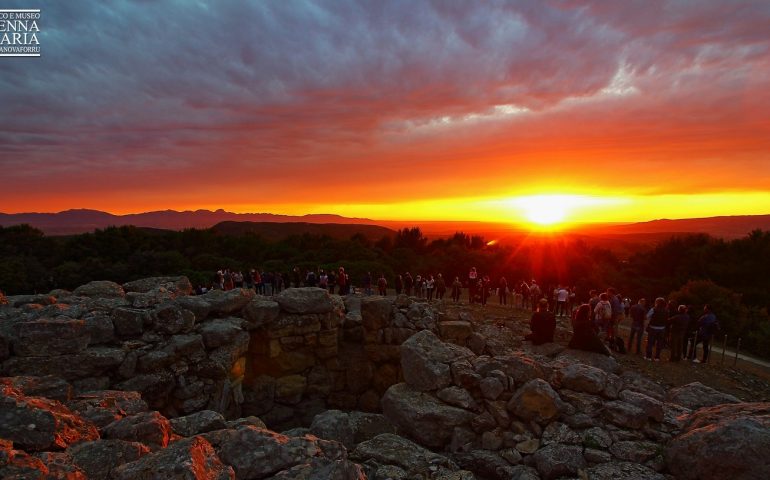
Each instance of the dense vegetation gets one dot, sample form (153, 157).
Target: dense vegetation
(732, 275)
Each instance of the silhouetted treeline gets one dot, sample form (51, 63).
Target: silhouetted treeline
(695, 269)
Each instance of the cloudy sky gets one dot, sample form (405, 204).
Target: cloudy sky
(390, 109)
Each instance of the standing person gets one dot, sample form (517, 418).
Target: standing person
(408, 283)
(367, 283)
(483, 288)
(602, 313)
(534, 294)
(677, 326)
(656, 328)
(399, 284)
(457, 287)
(238, 279)
(323, 279)
(418, 284)
(502, 291)
(562, 294)
(229, 285)
(332, 281)
(342, 281)
(690, 334)
(524, 292)
(618, 314)
(258, 285)
(440, 287)
(382, 285)
(708, 325)
(295, 277)
(542, 324)
(473, 280)
(638, 312)
(277, 282)
(430, 284)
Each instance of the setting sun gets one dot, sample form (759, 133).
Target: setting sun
(544, 210)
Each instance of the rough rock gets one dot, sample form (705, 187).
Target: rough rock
(333, 425)
(457, 397)
(150, 428)
(229, 302)
(522, 368)
(220, 332)
(536, 400)
(18, 464)
(129, 322)
(49, 386)
(421, 416)
(175, 285)
(425, 361)
(258, 453)
(625, 415)
(106, 406)
(557, 460)
(603, 362)
(389, 449)
(260, 312)
(366, 426)
(47, 337)
(651, 406)
(696, 395)
(99, 458)
(582, 378)
(723, 441)
(623, 471)
(486, 464)
(375, 312)
(195, 304)
(304, 300)
(635, 451)
(189, 458)
(170, 319)
(198, 422)
(36, 423)
(100, 288)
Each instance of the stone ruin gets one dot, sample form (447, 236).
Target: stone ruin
(144, 380)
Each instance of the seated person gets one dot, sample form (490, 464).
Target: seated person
(542, 324)
(584, 337)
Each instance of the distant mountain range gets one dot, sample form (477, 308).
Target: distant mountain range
(79, 221)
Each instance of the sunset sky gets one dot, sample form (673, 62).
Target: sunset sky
(467, 110)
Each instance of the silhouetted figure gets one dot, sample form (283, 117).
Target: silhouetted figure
(542, 324)
(637, 313)
(457, 287)
(678, 328)
(408, 283)
(399, 284)
(440, 287)
(583, 336)
(708, 325)
(656, 329)
(502, 291)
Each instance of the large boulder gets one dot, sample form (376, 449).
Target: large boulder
(522, 368)
(391, 450)
(375, 312)
(35, 423)
(188, 459)
(260, 312)
(421, 416)
(623, 471)
(48, 337)
(150, 428)
(257, 453)
(305, 300)
(724, 441)
(49, 386)
(425, 361)
(99, 459)
(536, 400)
(174, 285)
(558, 460)
(101, 289)
(228, 302)
(220, 332)
(582, 378)
(198, 422)
(130, 322)
(106, 406)
(696, 395)
(333, 425)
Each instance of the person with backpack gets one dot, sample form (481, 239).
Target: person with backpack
(656, 328)
(603, 312)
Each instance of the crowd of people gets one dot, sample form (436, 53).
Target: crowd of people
(595, 318)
